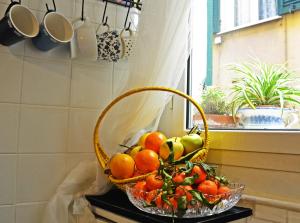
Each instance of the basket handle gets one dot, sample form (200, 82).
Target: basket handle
(102, 157)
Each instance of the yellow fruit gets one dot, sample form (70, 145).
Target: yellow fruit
(142, 139)
(178, 148)
(135, 150)
(122, 166)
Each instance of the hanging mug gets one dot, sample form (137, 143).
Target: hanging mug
(55, 30)
(18, 24)
(109, 45)
(128, 42)
(84, 42)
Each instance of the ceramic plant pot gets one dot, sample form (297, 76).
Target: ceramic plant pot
(267, 118)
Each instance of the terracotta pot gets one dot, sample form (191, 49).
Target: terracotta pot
(216, 121)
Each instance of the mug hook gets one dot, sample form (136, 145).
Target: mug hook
(103, 16)
(54, 6)
(82, 11)
(12, 1)
(125, 24)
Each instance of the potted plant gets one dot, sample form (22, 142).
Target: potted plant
(216, 108)
(262, 95)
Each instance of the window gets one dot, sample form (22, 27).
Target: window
(234, 13)
(218, 58)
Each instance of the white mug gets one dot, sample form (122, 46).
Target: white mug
(128, 43)
(84, 42)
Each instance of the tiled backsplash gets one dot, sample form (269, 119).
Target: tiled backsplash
(48, 109)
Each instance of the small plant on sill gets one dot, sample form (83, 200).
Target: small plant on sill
(214, 101)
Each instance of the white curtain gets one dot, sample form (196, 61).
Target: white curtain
(159, 59)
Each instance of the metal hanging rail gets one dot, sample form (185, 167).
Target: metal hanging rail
(126, 3)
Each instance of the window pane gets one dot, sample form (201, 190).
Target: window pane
(235, 13)
(267, 8)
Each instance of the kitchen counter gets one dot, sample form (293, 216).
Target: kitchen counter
(114, 206)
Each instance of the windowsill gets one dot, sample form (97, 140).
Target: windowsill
(249, 25)
(280, 142)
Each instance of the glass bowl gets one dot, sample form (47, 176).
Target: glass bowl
(198, 209)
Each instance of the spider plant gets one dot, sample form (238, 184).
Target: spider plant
(262, 84)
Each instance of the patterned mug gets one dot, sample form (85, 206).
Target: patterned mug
(109, 45)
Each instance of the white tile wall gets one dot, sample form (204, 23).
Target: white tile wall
(38, 176)
(7, 214)
(8, 179)
(30, 212)
(48, 108)
(9, 123)
(91, 85)
(10, 77)
(48, 129)
(82, 123)
(46, 82)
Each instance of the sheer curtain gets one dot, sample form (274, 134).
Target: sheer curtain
(159, 59)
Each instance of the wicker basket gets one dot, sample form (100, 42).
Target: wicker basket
(103, 158)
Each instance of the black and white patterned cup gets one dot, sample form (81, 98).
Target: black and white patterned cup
(55, 30)
(109, 46)
(18, 24)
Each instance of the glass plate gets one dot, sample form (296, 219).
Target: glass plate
(228, 200)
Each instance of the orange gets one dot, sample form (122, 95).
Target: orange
(224, 191)
(159, 201)
(146, 161)
(179, 178)
(183, 191)
(208, 187)
(150, 196)
(154, 140)
(200, 172)
(139, 189)
(122, 166)
(153, 182)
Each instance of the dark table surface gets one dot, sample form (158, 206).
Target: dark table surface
(116, 201)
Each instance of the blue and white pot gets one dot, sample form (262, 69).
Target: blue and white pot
(268, 118)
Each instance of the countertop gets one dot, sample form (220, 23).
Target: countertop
(117, 204)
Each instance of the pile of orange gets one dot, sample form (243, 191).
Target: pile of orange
(174, 181)
(158, 191)
(141, 159)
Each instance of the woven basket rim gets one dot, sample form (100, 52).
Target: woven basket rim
(103, 158)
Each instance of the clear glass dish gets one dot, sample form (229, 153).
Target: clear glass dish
(198, 209)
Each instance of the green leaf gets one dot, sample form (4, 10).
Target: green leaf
(200, 197)
(190, 180)
(171, 155)
(188, 167)
(196, 194)
(185, 158)
(222, 180)
(166, 175)
(164, 197)
(182, 203)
